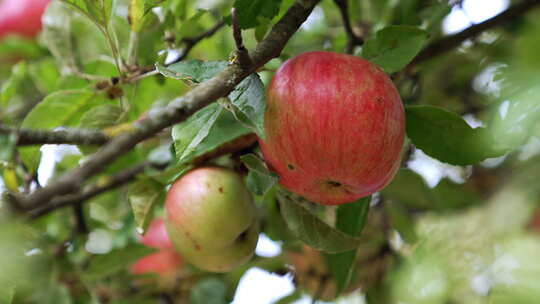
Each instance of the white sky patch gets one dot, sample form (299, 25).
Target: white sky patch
(433, 170)
(503, 108)
(485, 82)
(315, 19)
(479, 10)
(266, 247)
(474, 11)
(259, 286)
(99, 242)
(50, 154)
(473, 121)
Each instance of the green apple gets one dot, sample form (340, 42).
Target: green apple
(211, 219)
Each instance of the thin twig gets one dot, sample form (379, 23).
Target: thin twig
(450, 42)
(189, 44)
(352, 39)
(178, 110)
(242, 54)
(28, 137)
(81, 226)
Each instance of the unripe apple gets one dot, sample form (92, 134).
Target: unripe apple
(211, 219)
(21, 17)
(334, 127)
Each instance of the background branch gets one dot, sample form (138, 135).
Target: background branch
(352, 39)
(178, 110)
(76, 199)
(450, 42)
(242, 54)
(189, 44)
(28, 137)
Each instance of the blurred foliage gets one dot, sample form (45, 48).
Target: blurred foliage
(470, 240)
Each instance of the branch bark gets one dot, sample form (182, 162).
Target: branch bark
(450, 42)
(178, 110)
(28, 137)
(77, 199)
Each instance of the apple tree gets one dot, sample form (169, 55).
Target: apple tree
(147, 145)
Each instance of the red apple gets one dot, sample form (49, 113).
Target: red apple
(334, 127)
(166, 262)
(156, 236)
(21, 17)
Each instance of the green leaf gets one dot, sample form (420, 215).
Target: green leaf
(137, 11)
(249, 12)
(7, 292)
(102, 266)
(59, 109)
(351, 219)
(56, 33)
(447, 137)
(433, 15)
(209, 291)
(521, 115)
(191, 26)
(8, 143)
(259, 179)
(187, 136)
(45, 75)
(311, 230)
(52, 293)
(98, 11)
(62, 109)
(101, 116)
(20, 47)
(205, 131)
(394, 47)
(136, 14)
(290, 298)
(143, 196)
(13, 83)
(249, 99)
(402, 222)
(410, 189)
(196, 71)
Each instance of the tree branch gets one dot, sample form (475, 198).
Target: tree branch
(352, 39)
(178, 110)
(242, 53)
(114, 181)
(28, 137)
(450, 42)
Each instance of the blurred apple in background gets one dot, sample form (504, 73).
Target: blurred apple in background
(166, 263)
(21, 17)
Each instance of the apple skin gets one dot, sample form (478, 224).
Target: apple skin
(21, 17)
(211, 219)
(334, 127)
(156, 236)
(166, 262)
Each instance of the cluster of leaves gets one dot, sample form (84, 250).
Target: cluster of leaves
(89, 69)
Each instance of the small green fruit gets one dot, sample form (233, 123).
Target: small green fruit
(211, 219)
